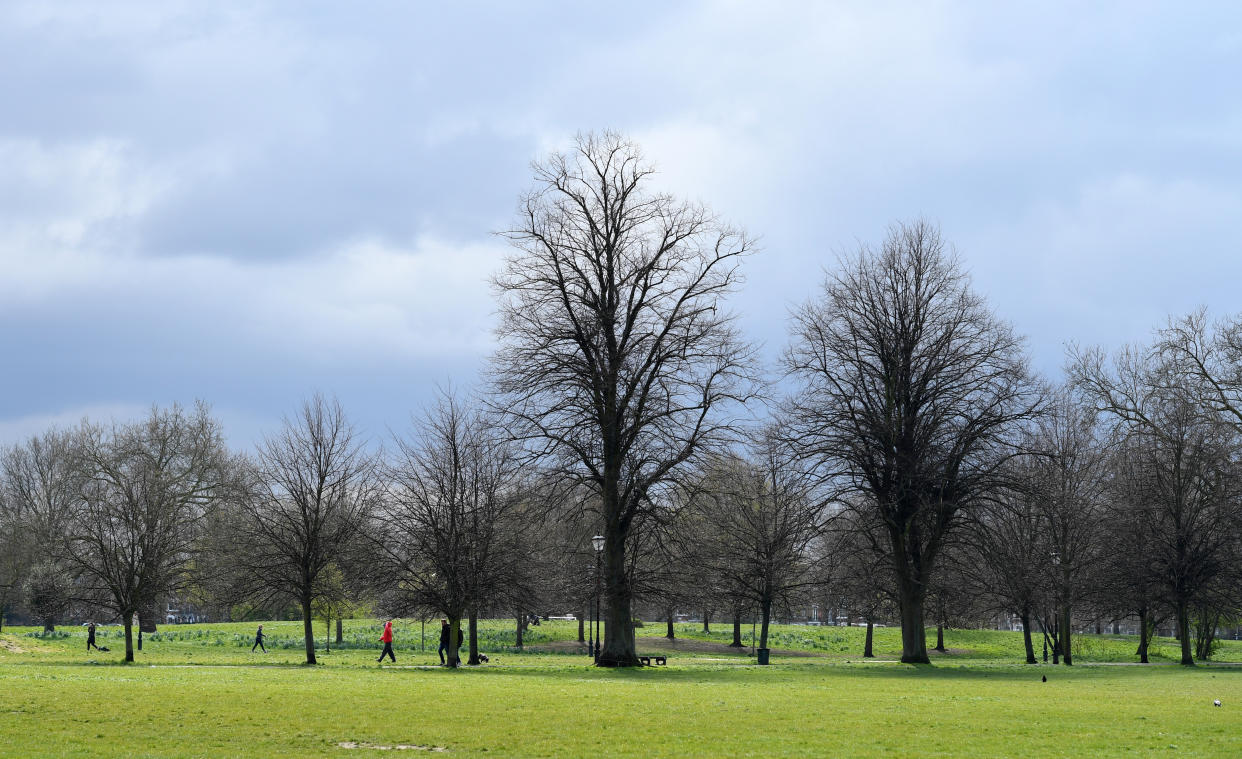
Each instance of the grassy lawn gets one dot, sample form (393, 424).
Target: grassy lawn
(57, 701)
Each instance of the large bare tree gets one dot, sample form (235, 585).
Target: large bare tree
(912, 393)
(146, 488)
(313, 489)
(617, 360)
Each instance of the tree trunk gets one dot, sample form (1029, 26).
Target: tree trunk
(128, 621)
(1183, 633)
(147, 620)
(1099, 627)
(767, 616)
(1205, 635)
(737, 629)
(49, 626)
(1067, 655)
(671, 634)
(582, 627)
(707, 621)
(939, 639)
(1052, 634)
(1026, 637)
(340, 637)
(619, 649)
(474, 638)
(1142, 646)
(521, 628)
(308, 630)
(913, 634)
(327, 635)
(451, 657)
(867, 652)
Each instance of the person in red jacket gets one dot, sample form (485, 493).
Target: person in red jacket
(387, 640)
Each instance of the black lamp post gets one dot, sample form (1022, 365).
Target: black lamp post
(597, 543)
(590, 610)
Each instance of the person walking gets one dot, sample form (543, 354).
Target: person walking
(258, 640)
(445, 631)
(387, 640)
(90, 637)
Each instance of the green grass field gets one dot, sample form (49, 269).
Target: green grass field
(197, 690)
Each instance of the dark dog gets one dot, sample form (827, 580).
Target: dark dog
(483, 658)
(103, 648)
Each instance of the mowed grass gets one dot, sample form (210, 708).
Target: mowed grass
(196, 691)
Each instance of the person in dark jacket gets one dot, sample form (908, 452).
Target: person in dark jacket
(258, 640)
(90, 637)
(386, 638)
(445, 632)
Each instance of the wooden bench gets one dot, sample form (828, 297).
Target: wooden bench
(647, 660)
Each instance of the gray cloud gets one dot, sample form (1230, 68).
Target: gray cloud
(247, 205)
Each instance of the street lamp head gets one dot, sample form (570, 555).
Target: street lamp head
(598, 542)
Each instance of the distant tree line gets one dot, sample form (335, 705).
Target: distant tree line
(910, 469)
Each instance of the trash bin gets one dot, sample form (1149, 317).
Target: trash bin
(762, 653)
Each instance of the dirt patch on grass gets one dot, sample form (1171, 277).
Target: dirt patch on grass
(10, 645)
(690, 645)
(558, 647)
(385, 747)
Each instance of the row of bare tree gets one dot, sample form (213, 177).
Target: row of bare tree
(120, 518)
(908, 463)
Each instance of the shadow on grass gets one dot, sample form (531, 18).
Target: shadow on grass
(785, 673)
(688, 670)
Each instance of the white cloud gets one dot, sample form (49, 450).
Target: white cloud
(69, 244)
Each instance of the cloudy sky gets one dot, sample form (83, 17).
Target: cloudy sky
(249, 202)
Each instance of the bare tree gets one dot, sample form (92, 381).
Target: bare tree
(13, 564)
(861, 582)
(313, 489)
(1070, 472)
(1129, 579)
(40, 482)
(759, 519)
(913, 392)
(1009, 540)
(951, 598)
(1206, 359)
(450, 532)
(47, 593)
(616, 358)
(146, 490)
(567, 555)
(1185, 474)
